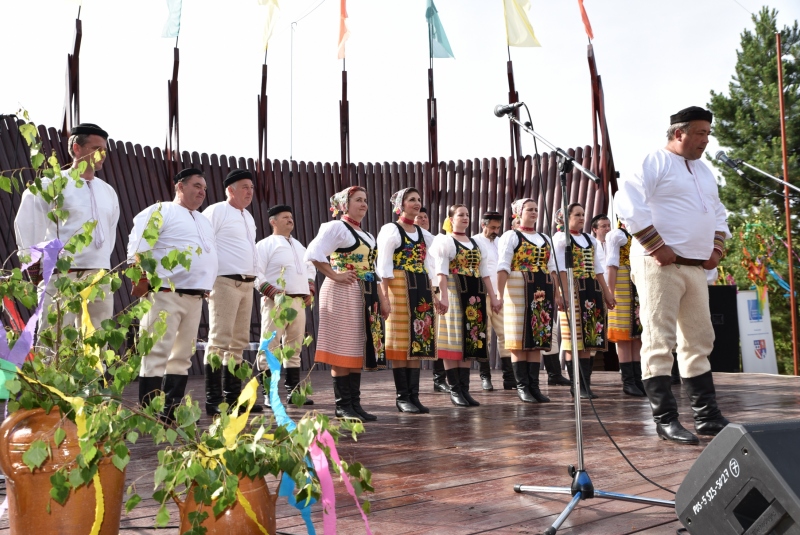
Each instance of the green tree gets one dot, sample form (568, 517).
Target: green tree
(747, 126)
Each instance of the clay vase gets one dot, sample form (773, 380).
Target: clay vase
(29, 492)
(234, 519)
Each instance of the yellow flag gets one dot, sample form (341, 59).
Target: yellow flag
(519, 31)
(273, 10)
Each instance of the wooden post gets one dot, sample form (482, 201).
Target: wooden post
(513, 97)
(172, 151)
(433, 136)
(788, 208)
(72, 103)
(344, 130)
(262, 182)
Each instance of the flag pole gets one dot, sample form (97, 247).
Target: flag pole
(513, 97)
(788, 208)
(72, 103)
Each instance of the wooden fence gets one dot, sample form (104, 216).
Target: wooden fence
(140, 178)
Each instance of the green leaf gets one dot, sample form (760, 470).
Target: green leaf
(5, 183)
(171, 435)
(37, 453)
(59, 490)
(161, 473)
(59, 436)
(120, 462)
(162, 517)
(132, 437)
(132, 502)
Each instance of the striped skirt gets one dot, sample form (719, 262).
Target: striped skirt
(459, 335)
(401, 327)
(589, 310)
(527, 311)
(347, 316)
(623, 321)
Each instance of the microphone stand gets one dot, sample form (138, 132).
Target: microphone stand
(582, 487)
(776, 179)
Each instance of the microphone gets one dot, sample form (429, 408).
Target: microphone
(505, 109)
(721, 156)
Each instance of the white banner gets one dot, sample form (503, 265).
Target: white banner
(755, 335)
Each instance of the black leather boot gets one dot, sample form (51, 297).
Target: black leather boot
(149, 387)
(523, 381)
(628, 380)
(571, 374)
(463, 375)
(637, 375)
(402, 402)
(174, 388)
(533, 384)
(412, 375)
(439, 377)
(676, 373)
(665, 410)
(586, 378)
(342, 396)
(231, 388)
(355, 398)
(213, 380)
(454, 378)
(509, 382)
(552, 363)
(486, 376)
(291, 382)
(708, 419)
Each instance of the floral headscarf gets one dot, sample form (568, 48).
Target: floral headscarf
(397, 200)
(341, 200)
(559, 219)
(516, 207)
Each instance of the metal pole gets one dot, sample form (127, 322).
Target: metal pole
(792, 299)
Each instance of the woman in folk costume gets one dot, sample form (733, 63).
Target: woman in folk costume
(525, 279)
(351, 304)
(591, 291)
(464, 284)
(405, 268)
(624, 326)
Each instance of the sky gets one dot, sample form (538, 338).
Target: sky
(654, 58)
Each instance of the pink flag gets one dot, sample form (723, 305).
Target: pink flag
(344, 33)
(585, 18)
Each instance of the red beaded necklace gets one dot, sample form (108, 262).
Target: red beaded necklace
(459, 233)
(526, 229)
(351, 221)
(575, 232)
(405, 220)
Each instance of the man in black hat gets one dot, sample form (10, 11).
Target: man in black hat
(183, 228)
(280, 256)
(672, 208)
(230, 305)
(94, 201)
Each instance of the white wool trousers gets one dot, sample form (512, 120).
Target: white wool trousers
(230, 308)
(172, 354)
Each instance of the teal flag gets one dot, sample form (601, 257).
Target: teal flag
(437, 39)
(173, 25)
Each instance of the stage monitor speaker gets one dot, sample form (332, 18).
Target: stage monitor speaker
(746, 482)
(724, 318)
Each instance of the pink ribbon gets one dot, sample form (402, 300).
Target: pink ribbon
(326, 482)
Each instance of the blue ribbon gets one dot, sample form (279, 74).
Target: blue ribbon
(287, 483)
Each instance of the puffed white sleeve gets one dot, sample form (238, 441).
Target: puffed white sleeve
(599, 257)
(263, 252)
(136, 241)
(430, 266)
(311, 271)
(388, 240)
(559, 247)
(505, 250)
(216, 216)
(443, 250)
(484, 267)
(331, 236)
(113, 218)
(614, 242)
(551, 262)
(30, 224)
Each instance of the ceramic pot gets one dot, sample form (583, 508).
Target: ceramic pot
(29, 492)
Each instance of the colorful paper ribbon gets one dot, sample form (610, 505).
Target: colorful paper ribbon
(86, 323)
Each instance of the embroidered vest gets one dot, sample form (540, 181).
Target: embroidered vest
(583, 258)
(467, 261)
(410, 256)
(530, 257)
(359, 258)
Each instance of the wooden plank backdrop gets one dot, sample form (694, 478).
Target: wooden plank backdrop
(140, 178)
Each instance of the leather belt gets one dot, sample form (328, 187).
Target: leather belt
(81, 270)
(301, 296)
(239, 278)
(198, 293)
(688, 261)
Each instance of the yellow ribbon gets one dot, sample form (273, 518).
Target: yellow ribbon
(86, 322)
(447, 226)
(248, 509)
(80, 421)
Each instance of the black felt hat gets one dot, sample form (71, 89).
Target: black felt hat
(89, 129)
(237, 175)
(279, 209)
(186, 173)
(692, 113)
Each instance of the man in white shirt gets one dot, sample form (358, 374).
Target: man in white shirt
(281, 257)
(672, 207)
(94, 201)
(230, 305)
(491, 227)
(183, 228)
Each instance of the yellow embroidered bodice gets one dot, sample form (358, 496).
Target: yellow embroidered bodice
(467, 261)
(530, 257)
(410, 256)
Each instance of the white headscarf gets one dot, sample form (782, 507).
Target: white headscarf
(341, 200)
(397, 200)
(516, 206)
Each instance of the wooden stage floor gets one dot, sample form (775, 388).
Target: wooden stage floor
(452, 472)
